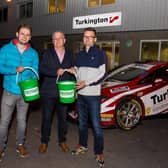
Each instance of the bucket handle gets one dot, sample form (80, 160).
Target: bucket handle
(25, 68)
(59, 76)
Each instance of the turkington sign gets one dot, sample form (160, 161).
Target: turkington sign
(99, 20)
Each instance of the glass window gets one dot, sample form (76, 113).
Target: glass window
(164, 51)
(3, 14)
(117, 54)
(107, 47)
(29, 9)
(147, 80)
(149, 51)
(126, 73)
(111, 49)
(162, 73)
(26, 10)
(93, 3)
(156, 50)
(107, 2)
(56, 6)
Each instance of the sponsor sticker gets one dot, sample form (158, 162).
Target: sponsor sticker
(31, 92)
(119, 89)
(67, 93)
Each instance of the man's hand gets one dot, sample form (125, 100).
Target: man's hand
(20, 69)
(71, 70)
(60, 71)
(80, 85)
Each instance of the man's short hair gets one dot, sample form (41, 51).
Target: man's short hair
(24, 26)
(90, 29)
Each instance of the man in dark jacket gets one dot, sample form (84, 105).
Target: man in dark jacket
(53, 64)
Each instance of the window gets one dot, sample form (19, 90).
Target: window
(162, 73)
(26, 10)
(3, 14)
(154, 50)
(149, 51)
(112, 50)
(56, 6)
(164, 51)
(93, 3)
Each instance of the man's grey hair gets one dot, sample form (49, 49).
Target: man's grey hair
(58, 31)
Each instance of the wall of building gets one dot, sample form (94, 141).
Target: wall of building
(136, 16)
(145, 19)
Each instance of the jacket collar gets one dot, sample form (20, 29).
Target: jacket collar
(15, 42)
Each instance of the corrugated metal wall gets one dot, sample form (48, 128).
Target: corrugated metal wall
(137, 15)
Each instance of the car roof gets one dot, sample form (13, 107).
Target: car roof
(155, 63)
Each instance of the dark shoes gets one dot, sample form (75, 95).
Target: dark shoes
(22, 151)
(64, 147)
(2, 153)
(43, 148)
(100, 160)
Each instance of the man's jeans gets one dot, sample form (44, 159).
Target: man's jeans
(9, 101)
(90, 106)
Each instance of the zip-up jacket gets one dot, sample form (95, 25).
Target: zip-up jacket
(91, 68)
(10, 59)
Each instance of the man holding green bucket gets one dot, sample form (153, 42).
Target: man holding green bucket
(90, 68)
(13, 58)
(53, 69)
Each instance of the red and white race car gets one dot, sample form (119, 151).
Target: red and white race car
(133, 92)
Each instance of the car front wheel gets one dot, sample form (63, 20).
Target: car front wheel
(128, 113)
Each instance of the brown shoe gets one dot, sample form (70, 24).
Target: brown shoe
(2, 153)
(64, 147)
(22, 151)
(43, 148)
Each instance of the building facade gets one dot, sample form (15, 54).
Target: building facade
(128, 31)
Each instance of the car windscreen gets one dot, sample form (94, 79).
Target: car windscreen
(126, 74)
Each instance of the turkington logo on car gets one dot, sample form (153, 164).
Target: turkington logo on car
(99, 20)
(157, 98)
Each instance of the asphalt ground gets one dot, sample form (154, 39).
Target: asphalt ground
(143, 147)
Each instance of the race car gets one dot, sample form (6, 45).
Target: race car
(132, 92)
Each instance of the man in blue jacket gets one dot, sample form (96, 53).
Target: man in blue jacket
(14, 56)
(53, 64)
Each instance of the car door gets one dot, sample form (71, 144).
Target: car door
(156, 99)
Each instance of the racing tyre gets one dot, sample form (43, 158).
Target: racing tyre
(128, 113)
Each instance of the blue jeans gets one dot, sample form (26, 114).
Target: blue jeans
(49, 104)
(9, 101)
(90, 106)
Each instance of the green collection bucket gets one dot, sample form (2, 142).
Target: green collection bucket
(66, 91)
(29, 88)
